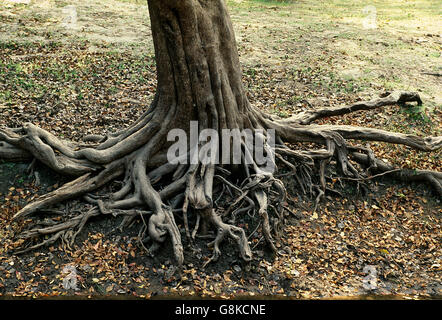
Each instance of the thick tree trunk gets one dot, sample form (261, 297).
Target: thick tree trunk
(198, 66)
(199, 76)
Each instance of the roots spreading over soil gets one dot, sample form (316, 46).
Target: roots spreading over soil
(158, 191)
(199, 79)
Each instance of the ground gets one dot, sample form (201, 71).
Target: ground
(98, 75)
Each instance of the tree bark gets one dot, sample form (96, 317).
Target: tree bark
(198, 64)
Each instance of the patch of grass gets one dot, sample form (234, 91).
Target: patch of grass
(61, 3)
(8, 165)
(6, 97)
(141, 2)
(113, 90)
(417, 114)
(251, 72)
(435, 54)
(293, 100)
(275, 2)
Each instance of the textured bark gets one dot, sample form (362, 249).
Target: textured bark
(198, 65)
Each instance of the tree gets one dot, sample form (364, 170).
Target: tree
(199, 79)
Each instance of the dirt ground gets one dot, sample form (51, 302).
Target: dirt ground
(81, 67)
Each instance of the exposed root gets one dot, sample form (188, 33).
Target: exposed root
(223, 230)
(65, 230)
(433, 178)
(42, 145)
(396, 97)
(153, 189)
(79, 186)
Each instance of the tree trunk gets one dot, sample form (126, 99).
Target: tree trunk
(199, 74)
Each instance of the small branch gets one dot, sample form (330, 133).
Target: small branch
(436, 74)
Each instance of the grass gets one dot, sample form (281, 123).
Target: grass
(294, 54)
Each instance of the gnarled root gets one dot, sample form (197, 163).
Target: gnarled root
(155, 189)
(222, 230)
